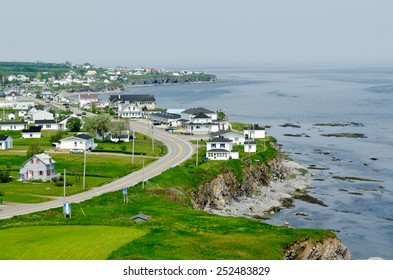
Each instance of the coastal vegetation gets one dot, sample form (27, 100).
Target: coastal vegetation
(176, 230)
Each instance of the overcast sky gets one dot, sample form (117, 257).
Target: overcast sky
(202, 33)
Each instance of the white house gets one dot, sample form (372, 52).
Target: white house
(6, 142)
(32, 132)
(11, 116)
(254, 132)
(199, 128)
(63, 123)
(236, 138)
(190, 113)
(250, 146)
(79, 141)
(47, 124)
(167, 118)
(12, 125)
(38, 167)
(140, 100)
(24, 102)
(86, 99)
(129, 110)
(42, 115)
(220, 148)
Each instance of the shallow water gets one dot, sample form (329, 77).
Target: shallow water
(360, 212)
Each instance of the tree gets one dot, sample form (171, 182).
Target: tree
(74, 124)
(117, 127)
(5, 175)
(34, 149)
(99, 124)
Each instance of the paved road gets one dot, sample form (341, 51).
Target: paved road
(178, 151)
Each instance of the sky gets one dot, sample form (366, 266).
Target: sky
(197, 34)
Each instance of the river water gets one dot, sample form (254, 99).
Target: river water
(356, 101)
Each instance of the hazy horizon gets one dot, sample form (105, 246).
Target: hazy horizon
(204, 34)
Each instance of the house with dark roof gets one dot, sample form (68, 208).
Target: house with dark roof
(167, 118)
(12, 125)
(38, 167)
(139, 100)
(47, 124)
(6, 142)
(32, 132)
(190, 113)
(220, 148)
(254, 132)
(79, 141)
(236, 138)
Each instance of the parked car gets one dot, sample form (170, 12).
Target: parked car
(76, 151)
(186, 132)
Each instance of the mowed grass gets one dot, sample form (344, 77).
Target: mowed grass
(64, 242)
(100, 169)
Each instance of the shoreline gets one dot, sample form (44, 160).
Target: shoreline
(268, 198)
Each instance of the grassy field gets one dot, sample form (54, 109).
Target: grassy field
(64, 242)
(175, 231)
(100, 169)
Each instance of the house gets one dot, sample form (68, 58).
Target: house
(79, 141)
(220, 148)
(140, 100)
(24, 102)
(41, 115)
(191, 113)
(32, 132)
(12, 125)
(124, 136)
(206, 128)
(129, 110)
(250, 146)
(47, 124)
(87, 99)
(38, 167)
(167, 118)
(236, 138)
(63, 123)
(6, 142)
(11, 116)
(254, 132)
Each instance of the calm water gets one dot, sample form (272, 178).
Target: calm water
(360, 212)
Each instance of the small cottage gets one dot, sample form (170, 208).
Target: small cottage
(250, 146)
(38, 167)
(79, 141)
(32, 132)
(6, 142)
(220, 148)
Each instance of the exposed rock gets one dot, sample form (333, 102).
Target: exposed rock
(327, 249)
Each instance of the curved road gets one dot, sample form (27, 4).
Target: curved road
(178, 151)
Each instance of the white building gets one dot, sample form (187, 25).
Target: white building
(191, 113)
(254, 132)
(32, 132)
(12, 125)
(129, 110)
(79, 141)
(250, 146)
(220, 148)
(47, 124)
(38, 167)
(6, 142)
(87, 99)
(41, 115)
(237, 138)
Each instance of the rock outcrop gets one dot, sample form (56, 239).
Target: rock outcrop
(328, 249)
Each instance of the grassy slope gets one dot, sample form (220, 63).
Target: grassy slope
(176, 230)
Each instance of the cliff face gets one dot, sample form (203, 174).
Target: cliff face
(225, 188)
(328, 249)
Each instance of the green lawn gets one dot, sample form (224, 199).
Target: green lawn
(64, 242)
(100, 169)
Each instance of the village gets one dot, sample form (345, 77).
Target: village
(31, 117)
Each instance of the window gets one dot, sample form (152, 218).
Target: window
(222, 146)
(40, 173)
(37, 161)
(75, 144)
(213, 145)
(32, 161)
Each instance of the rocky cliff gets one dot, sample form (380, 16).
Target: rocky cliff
(328, 249)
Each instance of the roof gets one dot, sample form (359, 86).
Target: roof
(224, 132)
(194, 111)
(219, 139)
(32, 129)
(132, 97)
(88, 96)
(201, 116)
(166, 115)
(84, 136)
(218, 151)
(254, 128)
(24, 123)
(250, 143)
(44, 121)
(47, 159)
(4, 137)
(141, 218)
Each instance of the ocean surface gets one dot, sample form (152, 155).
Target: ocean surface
(302, 107)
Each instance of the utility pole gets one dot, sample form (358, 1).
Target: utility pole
(84, 169)
(196, 163)
(64, 186)
(152, 138)
(133, 145)
(143, 173)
